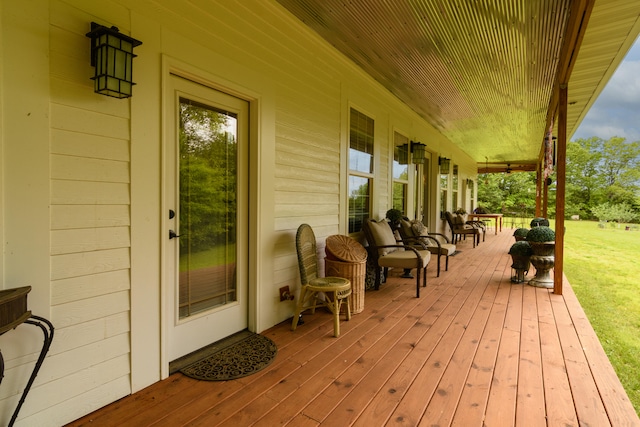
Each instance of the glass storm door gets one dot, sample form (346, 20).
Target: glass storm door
(207, 205)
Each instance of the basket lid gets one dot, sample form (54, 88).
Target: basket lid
(344, 248)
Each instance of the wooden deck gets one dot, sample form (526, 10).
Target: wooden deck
(473, 350)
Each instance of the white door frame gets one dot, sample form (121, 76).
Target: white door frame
(262, 126)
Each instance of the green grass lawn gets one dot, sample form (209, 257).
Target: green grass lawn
(603, 267)
(213, 257)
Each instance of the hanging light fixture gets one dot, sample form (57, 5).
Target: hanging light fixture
(445, 165)
(418, 152)
(112, 56)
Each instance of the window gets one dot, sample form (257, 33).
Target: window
(444, 190)
(400, 172)
(360, 169)
(454, 189)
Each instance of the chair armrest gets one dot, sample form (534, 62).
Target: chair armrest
(428, 236)
(389, 246)
(477, 224)
(446, 239)
(414, 241)
(405, 247)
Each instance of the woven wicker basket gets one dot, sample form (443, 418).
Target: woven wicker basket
(344, 248)
(355, 272)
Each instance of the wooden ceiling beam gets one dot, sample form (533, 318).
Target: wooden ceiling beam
(576, 28)
(530, 167)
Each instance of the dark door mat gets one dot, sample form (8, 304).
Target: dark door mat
(247, 355)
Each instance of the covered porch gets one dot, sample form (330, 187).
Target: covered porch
(474, 349)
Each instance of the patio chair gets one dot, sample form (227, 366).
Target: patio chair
(329, 292)
(415, 233)
(480, 225)
(389, 253)
(460, 229)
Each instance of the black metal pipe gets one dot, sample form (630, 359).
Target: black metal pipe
(43, 324)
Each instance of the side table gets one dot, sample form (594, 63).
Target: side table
(13, 312)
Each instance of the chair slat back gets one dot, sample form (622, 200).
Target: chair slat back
(307, 253)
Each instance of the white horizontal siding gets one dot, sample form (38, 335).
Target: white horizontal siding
(79, 288)
(103, 306)
(77, 119)
(89, 193)
(89, 146)
(74, 386)
(65, 217)
(90, 400)
(88, 263)
(89, 361)
(93, 331)
(89, 239)
(88, 169)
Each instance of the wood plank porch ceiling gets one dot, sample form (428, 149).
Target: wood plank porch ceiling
(473, 350)
(483, 73)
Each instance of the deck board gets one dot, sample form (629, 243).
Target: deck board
(473, 350)
(473, 401)
(530, 407)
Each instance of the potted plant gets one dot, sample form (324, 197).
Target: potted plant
(520, 255)
(520, 234)
(394, 216)
(541, 234)
(542, 241)
(537, 222)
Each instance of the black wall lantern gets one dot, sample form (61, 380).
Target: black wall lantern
(112, 56)
(444, 165)
(418, 152)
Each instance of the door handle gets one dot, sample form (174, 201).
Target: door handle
(173, 235)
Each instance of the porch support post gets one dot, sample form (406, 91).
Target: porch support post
(578, 22)
(561, 169)
(545, 197)
(539, 191)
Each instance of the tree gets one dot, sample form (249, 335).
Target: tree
(508, 193)
(208, 168)
(597, 172)
(620, 212)
(600, 171)
(584, 183)
(620, 170)
(620, 161)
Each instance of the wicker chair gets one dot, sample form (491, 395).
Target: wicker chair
(329, 292)
(388, 253)
(461, 230)
(415, 234)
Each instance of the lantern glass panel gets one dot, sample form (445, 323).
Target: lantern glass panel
(418, 152)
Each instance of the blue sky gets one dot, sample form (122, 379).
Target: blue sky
(616, 112)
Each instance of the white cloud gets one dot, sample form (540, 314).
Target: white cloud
(616, 112)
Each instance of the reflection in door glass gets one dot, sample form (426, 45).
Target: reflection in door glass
(208, 205)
